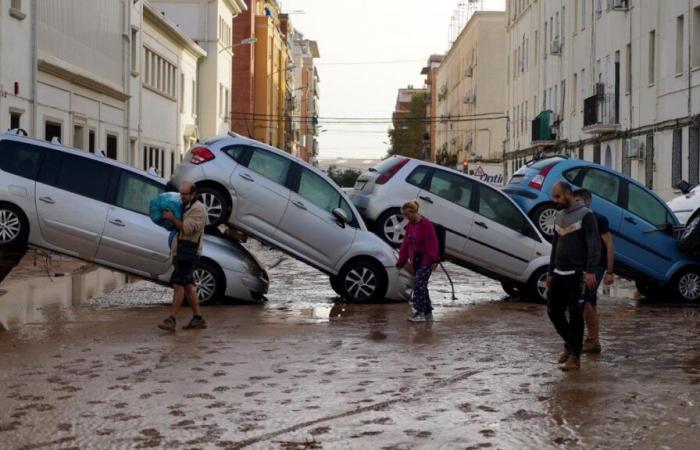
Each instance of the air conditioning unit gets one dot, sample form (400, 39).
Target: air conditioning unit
(621, 5)
(635, 149)
(556, 46)
(469, 72)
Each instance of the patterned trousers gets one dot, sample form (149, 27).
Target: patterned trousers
(421, 296)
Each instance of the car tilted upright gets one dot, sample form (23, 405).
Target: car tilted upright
(97, 209)
(485, 230)
(645, 230)
(291, 205)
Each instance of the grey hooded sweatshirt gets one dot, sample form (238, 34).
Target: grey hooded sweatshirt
(576, 242)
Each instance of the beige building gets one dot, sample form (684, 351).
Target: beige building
(470, 93)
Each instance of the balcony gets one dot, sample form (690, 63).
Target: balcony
(599, 114)
(543, 132)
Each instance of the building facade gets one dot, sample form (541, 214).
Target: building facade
(306, 96)
(430, 72)
(612, 81)
(470, 94)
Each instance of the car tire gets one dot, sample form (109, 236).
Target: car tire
(391, 227)
(362, 281)
(335, 285)
(218, 206)
(686, 285)
(537, 286)
(543, 217)
(511, 288)
(209, 282)
(689, 241)
(648, 290)
(14, 227)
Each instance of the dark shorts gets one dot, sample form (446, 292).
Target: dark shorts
(183, 273)
(591, 296)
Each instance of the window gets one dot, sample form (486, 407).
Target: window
(574, 94)
(417, 177)
(194, 97)
(680, 31)
(112, 146)
(15, 120)
(646, 206)
(269, 165)
(135, 192)
(84, 177)
(583, 88)
(451, 187)
(571, 174)
(493, 206)
(546, 48)
(78, 136)
(537, 47)
(20, 159)
(135, 54)
(154, 157)
(652, 56)
(696, 36)
(235, 151)
(576, 10)
(182, 93)
(16, 4)
(160, 74)
(319, 192)
(583, 14)
(52, 130)
(603, 184)
(91, 141)
(676, 157)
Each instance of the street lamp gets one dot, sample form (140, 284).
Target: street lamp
(246, 41)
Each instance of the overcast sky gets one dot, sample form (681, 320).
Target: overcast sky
(367, 31)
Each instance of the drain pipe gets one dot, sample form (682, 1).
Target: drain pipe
(35, 62)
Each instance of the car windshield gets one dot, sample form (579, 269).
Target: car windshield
(385, 165)
(541, 164)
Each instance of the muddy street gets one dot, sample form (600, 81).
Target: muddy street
(304, 372)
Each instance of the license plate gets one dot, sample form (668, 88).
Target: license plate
(360, 185)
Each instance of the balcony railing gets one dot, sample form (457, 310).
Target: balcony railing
(599, 114)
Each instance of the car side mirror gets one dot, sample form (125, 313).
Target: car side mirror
(684, 186)
(340, 216)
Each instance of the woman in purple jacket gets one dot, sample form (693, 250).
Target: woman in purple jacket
(420, 254)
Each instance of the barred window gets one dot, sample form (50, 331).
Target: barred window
(160, 74)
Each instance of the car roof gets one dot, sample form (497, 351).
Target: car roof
(73, 151)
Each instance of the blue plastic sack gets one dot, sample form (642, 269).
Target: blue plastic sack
(166, 200)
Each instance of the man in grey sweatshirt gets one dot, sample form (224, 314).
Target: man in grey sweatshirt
(575, 255)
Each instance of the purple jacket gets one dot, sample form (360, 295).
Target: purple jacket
(420, 239)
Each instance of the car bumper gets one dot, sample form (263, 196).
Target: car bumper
(400, 285)
(245, 286)
(367, 205)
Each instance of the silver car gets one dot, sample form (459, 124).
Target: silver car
(485, 230)
(291, 205)
(97, 209)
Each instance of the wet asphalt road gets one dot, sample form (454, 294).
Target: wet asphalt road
(302, 372)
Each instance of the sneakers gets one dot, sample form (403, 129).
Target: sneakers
(417, 317)
(572, 363)
(564, 355)
(168, 324)
(196, 323)
(591, 347)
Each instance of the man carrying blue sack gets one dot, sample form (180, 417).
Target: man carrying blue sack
(186, 249)
(574, 258)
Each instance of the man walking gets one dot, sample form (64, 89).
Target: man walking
(185, 249)
(575, 255)
(604, 271)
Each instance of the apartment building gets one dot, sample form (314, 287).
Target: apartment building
(470, 84)
(430, 71)
(612, 81)
(306, 96)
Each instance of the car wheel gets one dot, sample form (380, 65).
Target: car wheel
(511, 288)
(543, 216)
(686, 285)
(14, 227)
(690, 238)
(391, 227)
(216, 204)
(209, 282)
(335, 285)
(363, 281)
(537, 285)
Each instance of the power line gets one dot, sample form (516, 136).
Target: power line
(362, 63)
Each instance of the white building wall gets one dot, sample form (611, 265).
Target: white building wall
(15, 66)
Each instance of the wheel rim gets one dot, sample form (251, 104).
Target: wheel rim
(395, 228)
(214, 207)
(361, 282)
(546, 221)
(689, 286)
(205, 283)
(10, 226)
(691, 227)
(541, 286)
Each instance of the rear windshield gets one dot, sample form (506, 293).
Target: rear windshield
(541, 164)
(384, 166)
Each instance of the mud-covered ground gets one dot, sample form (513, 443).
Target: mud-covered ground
(302, 372)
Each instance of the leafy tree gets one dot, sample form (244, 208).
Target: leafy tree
(343, 177)
(406, 137)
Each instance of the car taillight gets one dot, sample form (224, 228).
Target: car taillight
(386, 176)
(201, 155)
(538, 181)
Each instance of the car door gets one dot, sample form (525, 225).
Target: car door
(309, 227)
(261, 192)
(642, 242)
(131, 241)
(446, 200)
(500, 239)
(71, 202)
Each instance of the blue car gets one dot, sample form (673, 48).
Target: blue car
(644, 229)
